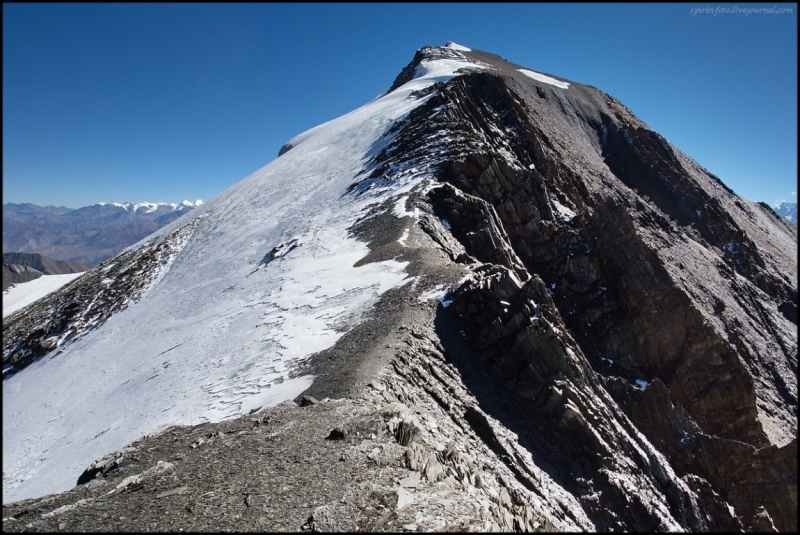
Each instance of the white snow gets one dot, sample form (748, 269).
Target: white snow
(399, 209)
(437, 293)
(153, 206)
(221, 329)
(403, 238)
(539, 77)
(456, 46)
(150, 207)
(565, 211)
(441, 70)
(23, 294)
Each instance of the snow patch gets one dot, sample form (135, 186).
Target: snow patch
(403, 238)
(456, 46)
(539, 77)
(399, 208)
(437, 293)
(23, 294)
(441, 70)
(641, 384)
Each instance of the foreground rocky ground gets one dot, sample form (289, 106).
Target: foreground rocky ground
(332, 466)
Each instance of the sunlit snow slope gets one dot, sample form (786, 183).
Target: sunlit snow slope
(24, 293)
(222, 329)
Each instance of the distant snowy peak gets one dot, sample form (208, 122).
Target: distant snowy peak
(153, 206)
(788, 210)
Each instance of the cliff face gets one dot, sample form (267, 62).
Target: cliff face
(599, 335)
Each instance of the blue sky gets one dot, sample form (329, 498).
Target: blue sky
(131, 102)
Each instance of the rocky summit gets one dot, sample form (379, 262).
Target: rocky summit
(490, 299)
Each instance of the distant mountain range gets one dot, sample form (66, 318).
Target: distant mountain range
(24, 267)
(90, 234)
(788, 210)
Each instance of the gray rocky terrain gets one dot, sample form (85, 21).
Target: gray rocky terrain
(614, 347)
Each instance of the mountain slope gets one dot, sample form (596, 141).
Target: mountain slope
(90, 234)
(507, 283)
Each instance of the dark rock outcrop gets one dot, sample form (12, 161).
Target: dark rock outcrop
(15, 274)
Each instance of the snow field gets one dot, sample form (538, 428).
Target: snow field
(23, 294)
(539, 77)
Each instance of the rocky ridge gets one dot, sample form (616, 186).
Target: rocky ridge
(48, 266)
